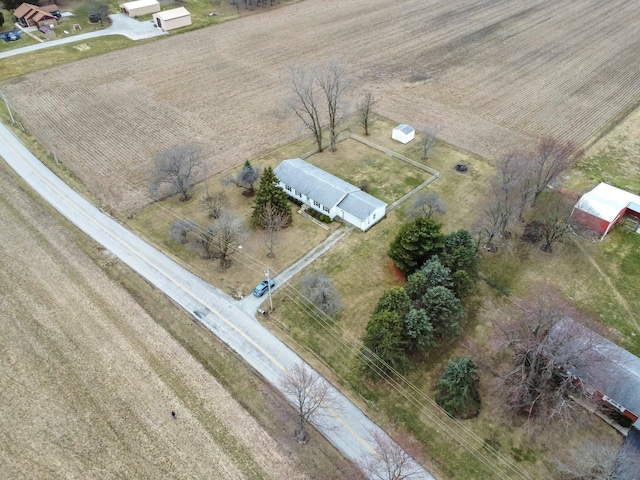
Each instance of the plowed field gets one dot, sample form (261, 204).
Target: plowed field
(493, 73)
(88, 380)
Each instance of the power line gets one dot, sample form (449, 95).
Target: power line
(418, 399)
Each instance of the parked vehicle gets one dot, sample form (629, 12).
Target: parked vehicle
(263, 287)
(9, 37)
(94, 18)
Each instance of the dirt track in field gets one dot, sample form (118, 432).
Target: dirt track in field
(493, 74)
(88, 380)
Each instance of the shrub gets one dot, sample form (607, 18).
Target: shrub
(533, 231)
(458, 388)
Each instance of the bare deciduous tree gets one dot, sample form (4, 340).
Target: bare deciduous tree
(272, 221)
(179, 229)
(389, 462)
(305, 102)
(365, 109)
(557, 222)
(221, 239)
(524, 188)
(551, 158)
(309, 394)
(498, 214)
(245, 178)
(535, 352)
(429, 138)
(215, 204)
(428, 205)
(333, 82)
(318, 288)
(176, 169)
(600, 460)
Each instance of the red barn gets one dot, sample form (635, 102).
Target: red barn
(604, 206)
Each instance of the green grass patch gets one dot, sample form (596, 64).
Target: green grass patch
(54, 56)
(386, 177)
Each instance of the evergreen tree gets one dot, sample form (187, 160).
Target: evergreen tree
(269, 192)
(444, 310)
(384, 337)
(459, 255)
(11, 4)
(432, 274)
(419, 330)
(416, 242)
(394, 300)
(457, 389)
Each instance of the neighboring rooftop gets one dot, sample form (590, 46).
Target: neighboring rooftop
(173, 13)
(606, 201)
(603, 365)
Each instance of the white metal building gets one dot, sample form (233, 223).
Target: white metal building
(140, 7)
(329, 194)
(172, 19)
(403, 133)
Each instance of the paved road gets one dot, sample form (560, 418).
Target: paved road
(346, 427)
(121, 24)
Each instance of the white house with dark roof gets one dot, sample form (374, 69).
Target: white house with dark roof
(329, 194)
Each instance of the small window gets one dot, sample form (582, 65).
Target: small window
(288, 188)
(299, 194)
(374, 216)
(317, 204)
(325, 209)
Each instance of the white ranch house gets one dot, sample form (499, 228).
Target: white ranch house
(329, 194)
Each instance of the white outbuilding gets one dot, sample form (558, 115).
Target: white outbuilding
(140, 7)
(403, 133)
(172, 19)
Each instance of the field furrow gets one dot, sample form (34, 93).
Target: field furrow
(494, 74)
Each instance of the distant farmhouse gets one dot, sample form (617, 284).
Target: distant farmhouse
(604, 206)
(329, 194)
(29, 15)
(608, 373)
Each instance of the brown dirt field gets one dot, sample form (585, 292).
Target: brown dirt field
(88, 380)
(493, 74)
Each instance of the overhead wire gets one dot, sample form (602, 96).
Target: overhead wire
(425, 404)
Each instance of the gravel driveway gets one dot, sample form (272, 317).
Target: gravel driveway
(121, 24)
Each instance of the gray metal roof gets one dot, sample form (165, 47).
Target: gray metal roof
(602, 364)
(360, 204)
(314, 182)
(404, 128)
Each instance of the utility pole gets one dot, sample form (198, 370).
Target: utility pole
(266, 272)
(8, 107)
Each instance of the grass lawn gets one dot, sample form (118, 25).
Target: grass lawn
(248, 263)
(388, 178)
(362, 271)
(614, 159)
(53, 56)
